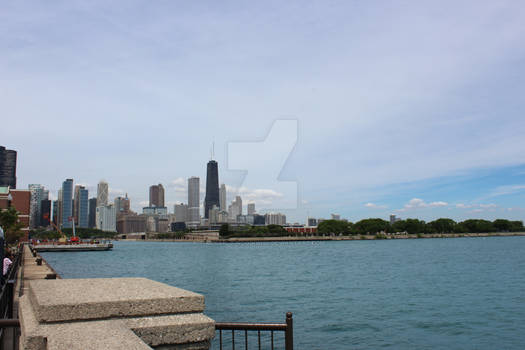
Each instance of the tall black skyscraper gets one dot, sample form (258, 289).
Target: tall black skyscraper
(7, 167)
(212, 187)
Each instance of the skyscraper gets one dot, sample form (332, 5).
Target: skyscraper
(92, 213)
(102, 193)
(235, 209)
(222, 198)
(67, 203)
(122, 205)
(212, 187)
(251, 208)
(45, 213)
(181, 212)
(7, 167)
(83, 207)
(193, 201)
(38, 194)
(156, 196)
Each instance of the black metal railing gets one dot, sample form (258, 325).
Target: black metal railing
(7, 302)
(286, 327)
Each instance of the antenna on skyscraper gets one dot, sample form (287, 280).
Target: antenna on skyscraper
(212, 150)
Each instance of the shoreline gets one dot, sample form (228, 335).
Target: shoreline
(334, 238)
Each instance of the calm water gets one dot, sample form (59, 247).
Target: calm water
(464, 293)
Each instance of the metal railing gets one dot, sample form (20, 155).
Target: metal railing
(7, 302)
(286, 327)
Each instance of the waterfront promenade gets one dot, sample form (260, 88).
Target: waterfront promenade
(105, 313)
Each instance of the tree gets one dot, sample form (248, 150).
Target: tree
(333, 227)
(11, 225)
(371, 226)
(443, 225)
(501, 225)
(478, 226)
(224, 230)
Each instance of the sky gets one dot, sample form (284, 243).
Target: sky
(360, 108)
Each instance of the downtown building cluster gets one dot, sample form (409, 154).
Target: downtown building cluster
(74, 207)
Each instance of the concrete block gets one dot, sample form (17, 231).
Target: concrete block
(87, 299)
(173, 329)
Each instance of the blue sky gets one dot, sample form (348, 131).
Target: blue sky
(408, 107)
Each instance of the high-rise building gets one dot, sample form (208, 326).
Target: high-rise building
(38, 194)
(122, 205)
(222, 198)
(181, 212)
(212, 187)
(193, 201)
(83, 207)
(251, 208)
(92, 213)
(67, 203)
(336, 217)
(102, 193)
(107, 218)
(275, 219)
(312, 222)
(156, 196)
(235, 209)
(59, 208)
(45, 213)
(7, 167)
(55, 212)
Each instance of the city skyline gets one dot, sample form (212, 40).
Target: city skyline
(418, 115)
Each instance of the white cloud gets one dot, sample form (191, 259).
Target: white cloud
(505, 190)
(179, 182)
(375, 206)
(418, 203)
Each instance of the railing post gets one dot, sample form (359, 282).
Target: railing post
(288, 338)
(9, 290)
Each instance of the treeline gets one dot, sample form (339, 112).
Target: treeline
(83, 233)
(252, 231)
(416, 226)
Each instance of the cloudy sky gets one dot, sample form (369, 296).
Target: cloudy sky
(407, 107)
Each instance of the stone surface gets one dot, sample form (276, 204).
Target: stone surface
(173, 329)
(85, 299)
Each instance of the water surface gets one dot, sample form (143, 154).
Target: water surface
(460, 293)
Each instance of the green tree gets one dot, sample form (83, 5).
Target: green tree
(224, 230)
(334, 227)
(371, 226)
(501, 225)
(11, 225)
(443, 225)
(478, 226)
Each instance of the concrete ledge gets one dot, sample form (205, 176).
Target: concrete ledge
(85, 299)
(173, 329)
(119, 313)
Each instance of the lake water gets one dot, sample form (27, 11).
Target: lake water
(462, 293)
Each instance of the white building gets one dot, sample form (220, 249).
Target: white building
(275, 219)
(106, 218)
(102, 193)
(181, 212)
(193, 218)
(38, 194)
(251, 208)
(336, 217)
(235, 209)
(222, 197)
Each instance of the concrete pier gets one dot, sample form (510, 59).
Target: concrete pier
(108, 313)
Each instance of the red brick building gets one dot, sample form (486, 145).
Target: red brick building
(21, 201)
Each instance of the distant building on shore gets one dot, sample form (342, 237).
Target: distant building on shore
(212, 187)
(156, 196)
(7, 168)
(193, 201)
(251, 208)
(102, 193)
(336, 217)
(67, 204)
(92, 213)
(275, 219)
(106, 218)
(222, 198)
